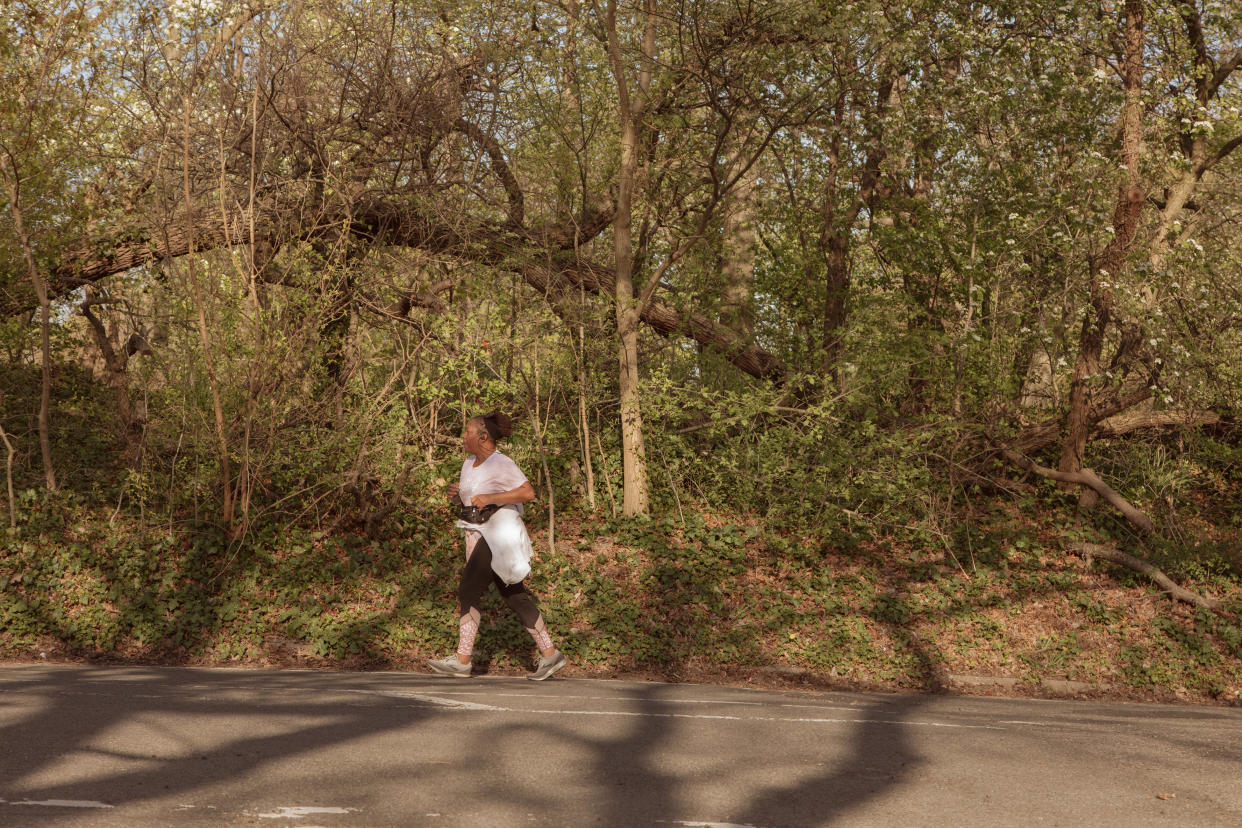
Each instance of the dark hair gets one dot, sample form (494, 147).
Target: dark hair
(498, 425)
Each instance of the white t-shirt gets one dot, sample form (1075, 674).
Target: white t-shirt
(505, 532)
(495, 475)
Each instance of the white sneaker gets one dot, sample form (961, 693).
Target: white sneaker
(450, 667)
(547, 666)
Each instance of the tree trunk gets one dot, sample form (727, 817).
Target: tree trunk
(583, 422)
(13, 184)
(633, 450)
(8, 477)
(738, 253)
(116, 365)
(571, 105)
(630, 111)
(1104, 271)
(836, 292)
(222, 442)
(834, 245)
(837, 220)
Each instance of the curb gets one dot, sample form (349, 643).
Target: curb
(1059, 687)
(1056, 687)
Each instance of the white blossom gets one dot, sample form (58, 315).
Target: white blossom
(185, 10)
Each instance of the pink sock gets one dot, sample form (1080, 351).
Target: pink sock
(540, 633)
(467, 629)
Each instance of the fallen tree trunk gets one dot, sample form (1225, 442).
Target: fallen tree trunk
(1048, 432)
(1131, 421)
(1088, 478)
(390, 223)
(1108, 553)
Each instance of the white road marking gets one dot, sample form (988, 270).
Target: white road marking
(432, 700)
(60, 803)
(788, 705)
(645, 699)
(455, 704)
(807, 720)
(295, 811)
(599, 698)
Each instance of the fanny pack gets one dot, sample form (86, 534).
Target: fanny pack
(473, 514)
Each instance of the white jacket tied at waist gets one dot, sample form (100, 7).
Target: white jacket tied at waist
(506, 536)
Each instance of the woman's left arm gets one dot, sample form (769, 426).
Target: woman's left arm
(521, 494)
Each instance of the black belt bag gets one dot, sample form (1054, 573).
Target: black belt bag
(473, 514)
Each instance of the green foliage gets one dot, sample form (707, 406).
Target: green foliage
(294, 423)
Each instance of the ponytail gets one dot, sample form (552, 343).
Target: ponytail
(498, 425)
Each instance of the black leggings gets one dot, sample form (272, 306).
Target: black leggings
(478, 573)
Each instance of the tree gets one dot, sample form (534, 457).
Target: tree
(48, 89)
(633, 98)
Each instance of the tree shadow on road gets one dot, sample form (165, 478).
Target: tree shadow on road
(661, 742)
(877, 759)
(74, 720)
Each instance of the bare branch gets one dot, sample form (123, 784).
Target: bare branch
(1218, 156)
(1225, 70)
(1084, 477)
(500, 166)
(1095, 550)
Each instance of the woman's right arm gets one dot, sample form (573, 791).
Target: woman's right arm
(521, 494)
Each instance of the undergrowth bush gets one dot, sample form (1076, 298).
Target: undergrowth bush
(697, 593)
(834, 540)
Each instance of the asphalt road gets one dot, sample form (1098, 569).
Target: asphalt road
(126, 746)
